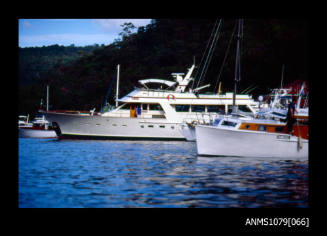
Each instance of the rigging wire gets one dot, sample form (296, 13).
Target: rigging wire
(213, 45)
(208, 43)
(226, 54)
(108, 92)
(212, 41)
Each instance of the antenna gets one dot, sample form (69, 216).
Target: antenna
(281, 82)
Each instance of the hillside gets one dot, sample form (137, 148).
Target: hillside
(81, 80)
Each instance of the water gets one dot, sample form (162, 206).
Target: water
(70, 173)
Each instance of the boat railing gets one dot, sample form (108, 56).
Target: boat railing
(201, 118)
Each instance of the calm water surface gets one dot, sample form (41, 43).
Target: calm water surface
(70, 173)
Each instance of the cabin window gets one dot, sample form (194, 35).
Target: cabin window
(155, 107)
(262, 128)
(161, 126)
(216, 109)
(279, 129)
(229, 123)
(216, 122)
(230, 109)
(198, 108)
(125, 107)
(244, 108)
(182, 108)
(150, 126)
(142, 126)
(159, 116)
(173, 127)
(144, 106)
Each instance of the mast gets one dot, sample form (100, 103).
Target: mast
(238, 62)
(281, 82)
(47, 97)
(117, 88)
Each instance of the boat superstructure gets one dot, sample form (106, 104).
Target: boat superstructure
(23, 121)
(147, 113)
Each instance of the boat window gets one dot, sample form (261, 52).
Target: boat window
(142, 126)
(198, 108)
(150, 126)
(159, 116)
(216, 108)
(161, 126)
(229, 123)
(244, 108)
(230, 109)
(144, 106)
(125, 107)
(182, 108)
(279, 129)
(216, 122)
(155, 107)
(262, 128)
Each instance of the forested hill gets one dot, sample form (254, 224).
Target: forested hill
(81, 80)
(36, 62)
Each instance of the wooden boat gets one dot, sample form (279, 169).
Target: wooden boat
(253, 138)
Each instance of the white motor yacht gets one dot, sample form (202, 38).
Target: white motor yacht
(147, 113)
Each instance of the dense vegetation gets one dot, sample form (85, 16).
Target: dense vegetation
(79, 77)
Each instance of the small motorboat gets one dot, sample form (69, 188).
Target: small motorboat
(38, 128)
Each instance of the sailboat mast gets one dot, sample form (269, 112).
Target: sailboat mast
(281, 82)
(47, 97)
(117, 88)
(238, 62)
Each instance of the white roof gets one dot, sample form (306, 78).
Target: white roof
(160, 81)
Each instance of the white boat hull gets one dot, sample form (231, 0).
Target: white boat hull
(31, 133)
(214, 141)
(85, 126)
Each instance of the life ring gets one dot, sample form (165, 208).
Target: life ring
(171, 96)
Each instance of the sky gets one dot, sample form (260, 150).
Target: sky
(80, 32)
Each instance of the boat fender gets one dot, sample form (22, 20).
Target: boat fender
(171, 96)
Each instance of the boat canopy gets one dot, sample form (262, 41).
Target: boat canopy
(159, 81)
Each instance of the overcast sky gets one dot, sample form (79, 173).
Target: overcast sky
(80, 32)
